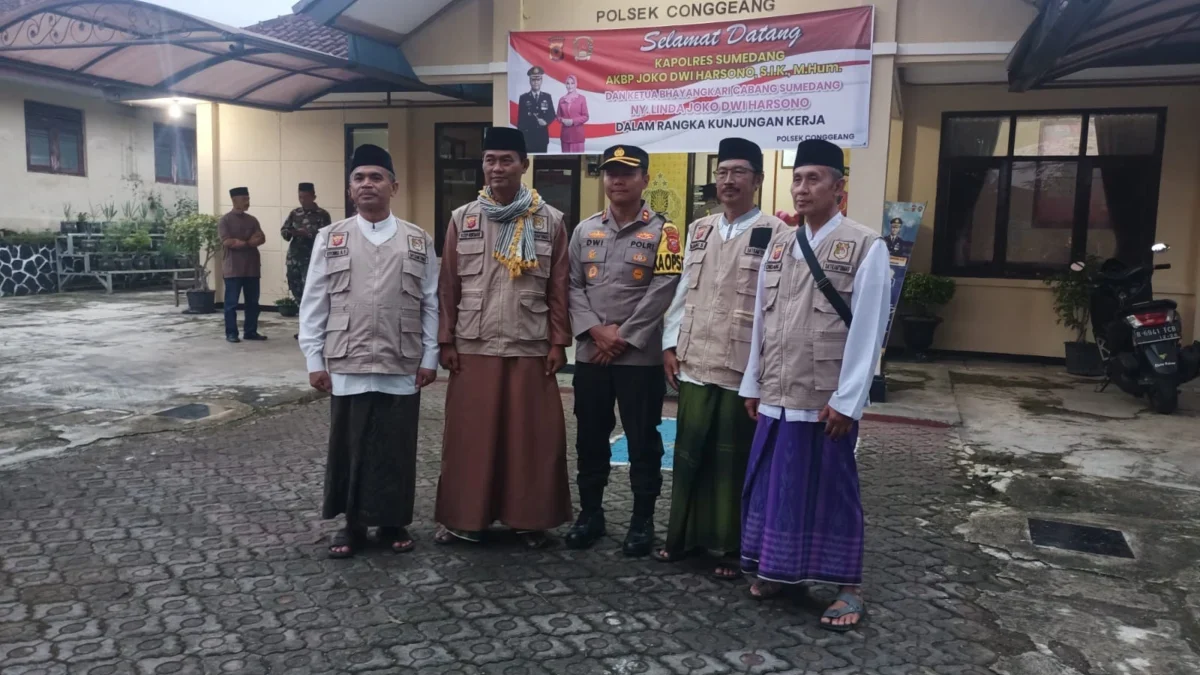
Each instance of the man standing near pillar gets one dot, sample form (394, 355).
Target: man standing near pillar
(625, 265)
(368, 328)
(504, 333)
(241, 235)
(706, 347)
(300, 229)
(820, 314)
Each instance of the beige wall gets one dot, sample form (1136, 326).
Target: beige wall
(926, 21)
(462, 34)
(984, 313)
(119, 158)
(421, 151)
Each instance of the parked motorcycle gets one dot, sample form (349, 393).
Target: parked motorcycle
(1139, 337)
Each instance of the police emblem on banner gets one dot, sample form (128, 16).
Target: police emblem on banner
(556, 48)
(584, 47)
(337, 240)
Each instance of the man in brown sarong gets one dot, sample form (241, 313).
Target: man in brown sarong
(368, 329)
(503, 334)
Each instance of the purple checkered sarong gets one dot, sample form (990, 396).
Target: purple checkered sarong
(802, 517)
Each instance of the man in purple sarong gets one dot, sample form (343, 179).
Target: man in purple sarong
(812, 357)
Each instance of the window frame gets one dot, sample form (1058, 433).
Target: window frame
(180, 134)
(52, 119)
(441, 219)
(999, 267)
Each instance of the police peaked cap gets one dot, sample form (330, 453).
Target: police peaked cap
(626, 155)
(816, 152)
(740, 148)
(371, 155)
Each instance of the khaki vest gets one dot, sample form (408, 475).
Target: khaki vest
(375, 299)
(497, 314)
(803, 336)
(718, 314)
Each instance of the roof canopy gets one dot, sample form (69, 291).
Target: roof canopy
(138, 50)
(1097, 42)
(389, 21)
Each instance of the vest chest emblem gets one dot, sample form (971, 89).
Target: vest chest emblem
(777, 253)
(416, 244)
(842, 251)
(337, 240)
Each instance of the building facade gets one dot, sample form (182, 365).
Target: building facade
(1017, 185)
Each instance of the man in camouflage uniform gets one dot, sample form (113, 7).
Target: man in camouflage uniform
(301, 229)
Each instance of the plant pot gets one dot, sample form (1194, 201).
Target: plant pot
(287, 310)
(201, 302)
(918, 334)
(67, 227)
(1083, 359)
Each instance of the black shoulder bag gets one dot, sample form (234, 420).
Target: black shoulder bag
(823, 283)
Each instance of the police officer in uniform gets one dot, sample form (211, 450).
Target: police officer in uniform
(536, 113)
(625, 266)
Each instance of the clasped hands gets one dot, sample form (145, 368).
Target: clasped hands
(609, 341)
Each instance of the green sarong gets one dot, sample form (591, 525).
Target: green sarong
(712, 446)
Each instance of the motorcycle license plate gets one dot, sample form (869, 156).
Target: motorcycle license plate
(1147, 335)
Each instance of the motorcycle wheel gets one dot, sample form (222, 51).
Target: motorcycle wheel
(1164, 396)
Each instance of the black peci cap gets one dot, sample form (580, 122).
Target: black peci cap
(239, 192)
(816, 152)
(371, 155)
(740, 148)
(504, 138)
(307, 187)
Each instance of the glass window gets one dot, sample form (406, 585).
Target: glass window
(54, 140)
(458, 163)
(1075, 184)
(174, 155)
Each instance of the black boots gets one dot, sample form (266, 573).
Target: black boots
(640, 538)
(587, 530)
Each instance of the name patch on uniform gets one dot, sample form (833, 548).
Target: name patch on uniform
(471, 234)
(336, 252)
(416, 243)
(773, 266)
(669, 259)
(471, 223)
(642, 244)
(541, 236)
(837, 267)
(337, 240)
(698, 246)
(593, 242)
(842, 251)
(756, 252)
(418, 257)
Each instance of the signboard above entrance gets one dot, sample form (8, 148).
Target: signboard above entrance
(776, 81)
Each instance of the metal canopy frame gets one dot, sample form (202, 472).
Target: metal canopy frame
(1073, 36)
(136, 50)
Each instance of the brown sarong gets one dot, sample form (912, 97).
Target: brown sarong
(504, 452)
(371, 471)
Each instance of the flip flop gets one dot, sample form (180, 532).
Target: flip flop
(396, 538)
(446, 536)
(733, 573)
(344, 538)
(854, 605)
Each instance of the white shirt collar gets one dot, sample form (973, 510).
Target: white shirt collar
(390, 221)
(825, 229)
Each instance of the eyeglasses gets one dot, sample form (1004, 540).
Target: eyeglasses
(737, 173)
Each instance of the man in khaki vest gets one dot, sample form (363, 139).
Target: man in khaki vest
(368, 328)
(625, 265)
(504, 333)
(705, 348)
(806, 383)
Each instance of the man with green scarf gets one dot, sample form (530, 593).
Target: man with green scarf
(503, 332)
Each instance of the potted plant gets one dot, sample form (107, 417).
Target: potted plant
(1072, 291)
(68, 224)
(921, 295)
(287, 306)
(195, 236)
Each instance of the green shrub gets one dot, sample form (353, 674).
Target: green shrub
(1073, 297)
(924, 292)
(195, 236)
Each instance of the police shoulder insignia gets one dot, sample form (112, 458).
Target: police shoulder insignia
(669, 259)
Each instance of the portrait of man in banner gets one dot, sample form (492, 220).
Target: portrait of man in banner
(536, 113)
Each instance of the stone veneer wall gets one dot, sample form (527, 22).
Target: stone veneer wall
(27, 269)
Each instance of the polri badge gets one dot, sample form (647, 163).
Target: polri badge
(416, 243)
(337, 240)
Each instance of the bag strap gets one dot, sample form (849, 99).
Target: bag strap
(823, 283)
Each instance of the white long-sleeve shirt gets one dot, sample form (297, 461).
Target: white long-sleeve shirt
(870, 304)
(314, 313)
(674, 318)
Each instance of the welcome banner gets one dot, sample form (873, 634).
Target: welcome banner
(776, 81)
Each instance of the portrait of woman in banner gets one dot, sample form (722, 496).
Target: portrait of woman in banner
(572, 114)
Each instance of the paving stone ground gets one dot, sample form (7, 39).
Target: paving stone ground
(204, 553)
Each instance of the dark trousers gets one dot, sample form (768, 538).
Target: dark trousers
(638, 393)
(248, 287)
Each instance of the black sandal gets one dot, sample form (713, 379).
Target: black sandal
(662, 555)
(733, 573)
(347, 539)
(534, 539)
(396, 538)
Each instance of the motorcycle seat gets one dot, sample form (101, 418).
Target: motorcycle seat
(1152, 305)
